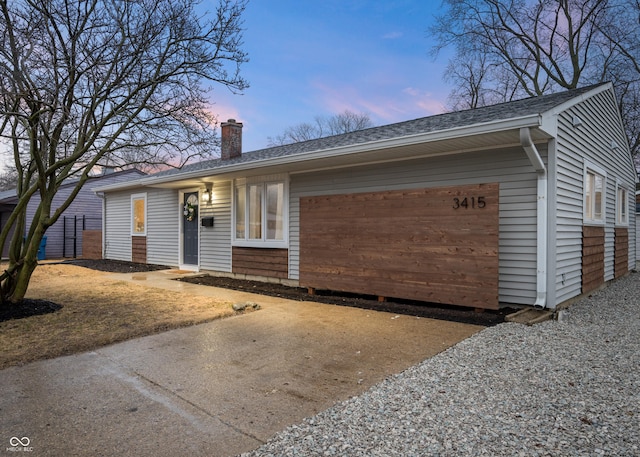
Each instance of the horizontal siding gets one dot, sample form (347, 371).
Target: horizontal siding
(634, 243)
(621, 252)
(139, 249)
(269, 263)
(410, 244)
(86, 203)
(163, 214)
(118, 226)
(517, 218)
(637, 244)
(591, 141)
(215, 242)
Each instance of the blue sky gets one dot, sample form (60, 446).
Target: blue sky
(321, 57)
(310, 58)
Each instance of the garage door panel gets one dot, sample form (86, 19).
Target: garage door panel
(438, 245)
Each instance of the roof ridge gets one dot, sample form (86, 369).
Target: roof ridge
(441, 121)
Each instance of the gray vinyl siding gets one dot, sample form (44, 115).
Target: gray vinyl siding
(634, 245)
(215, 242)
(117, 234)
(163, 220)
(85, 205)
(637, 225)
(590, 142)
(509, 167)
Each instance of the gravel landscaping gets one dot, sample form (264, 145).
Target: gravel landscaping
(567, 388)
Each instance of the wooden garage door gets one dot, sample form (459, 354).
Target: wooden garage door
(438, 245)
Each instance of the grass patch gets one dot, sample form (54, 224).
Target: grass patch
(97, 311)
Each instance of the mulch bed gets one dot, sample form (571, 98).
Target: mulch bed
(115, 266)
(27, 308)
(407, 307)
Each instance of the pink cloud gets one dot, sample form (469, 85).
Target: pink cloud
(392, 106)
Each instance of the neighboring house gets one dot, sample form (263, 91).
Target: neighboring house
(8, 201)
(84, 215)
(637, 225)
(522, 203)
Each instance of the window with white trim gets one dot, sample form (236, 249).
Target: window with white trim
(622, 205)
(594, 196)
(260, 213)
(139, 214)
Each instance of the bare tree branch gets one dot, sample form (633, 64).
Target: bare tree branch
(111, 83)
(344, 122)
(506, 49)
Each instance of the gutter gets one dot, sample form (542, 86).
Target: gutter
(541, 219)
(103, 197)
(533, 120)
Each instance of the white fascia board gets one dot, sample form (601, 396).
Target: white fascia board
(550, 118)
(579, 99)
(532, 121)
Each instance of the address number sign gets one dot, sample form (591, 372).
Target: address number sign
(469, 202)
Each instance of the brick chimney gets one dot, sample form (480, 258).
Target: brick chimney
(231, 139)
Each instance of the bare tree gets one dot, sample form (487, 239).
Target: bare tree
(85, 83)
(8, 179)
(532, 47)
(344, 122)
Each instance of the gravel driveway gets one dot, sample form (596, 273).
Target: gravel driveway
(554, 389)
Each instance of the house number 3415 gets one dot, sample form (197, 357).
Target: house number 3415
(469, 202)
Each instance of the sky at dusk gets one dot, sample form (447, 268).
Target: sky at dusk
(322, 57)
(311, 58)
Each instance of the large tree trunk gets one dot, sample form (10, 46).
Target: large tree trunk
(23, 261)
(20, 282)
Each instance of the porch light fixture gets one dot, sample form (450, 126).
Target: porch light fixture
(614, 146)
(207, 194)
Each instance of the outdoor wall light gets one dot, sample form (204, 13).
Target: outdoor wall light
(207, 195)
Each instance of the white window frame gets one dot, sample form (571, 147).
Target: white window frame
(263, 242)
(143, 197)
(620, 220)
(590, 168)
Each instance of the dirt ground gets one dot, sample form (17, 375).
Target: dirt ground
(92, 310)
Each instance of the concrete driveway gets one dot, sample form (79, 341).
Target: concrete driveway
(215, 389)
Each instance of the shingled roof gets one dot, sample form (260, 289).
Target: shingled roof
(509, 110)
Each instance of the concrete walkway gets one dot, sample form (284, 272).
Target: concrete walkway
(215, 389)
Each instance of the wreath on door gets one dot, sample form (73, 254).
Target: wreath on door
(190, 209)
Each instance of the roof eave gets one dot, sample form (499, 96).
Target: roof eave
(532, 121)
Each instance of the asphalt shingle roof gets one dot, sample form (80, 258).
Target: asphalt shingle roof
(502, 111)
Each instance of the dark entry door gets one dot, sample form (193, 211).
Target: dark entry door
(190, 229)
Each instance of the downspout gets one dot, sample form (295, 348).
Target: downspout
(541, 219)
(103, 197)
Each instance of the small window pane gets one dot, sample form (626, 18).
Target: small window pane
(240, 199)
(275, 204)
(138, 216)
(255, 212)
(597, 212)
(588, 194)
(594, 197)
(622, 206)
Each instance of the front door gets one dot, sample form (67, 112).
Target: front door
(190, 229)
